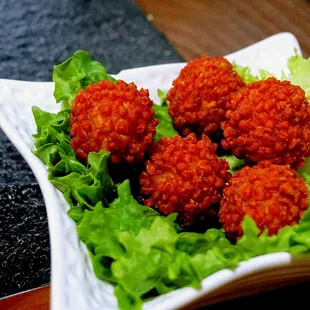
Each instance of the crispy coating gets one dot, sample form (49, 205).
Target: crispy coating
(272, 195)
(184, 175)
(199, 95)
(115, 117)
(269, 120)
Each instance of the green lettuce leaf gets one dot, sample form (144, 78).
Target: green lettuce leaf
(165, 126)
(162, 97)
(159, 259)
(52, 138)
(83, 186)
(245, 73)
(235, 163)
(195, 243)
(76, 73)
(294, 239)
(264, 74)
(147, 257)
(299, 72)
(99, 229)
(247, 76)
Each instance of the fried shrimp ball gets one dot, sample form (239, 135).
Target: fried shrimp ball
(114, 117)
(200, 93)
(184, 175)
(269, 120)
(272, 195)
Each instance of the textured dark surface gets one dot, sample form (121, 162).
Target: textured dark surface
(25, 250)
(37, 34)
(34, 36)
(13, 169)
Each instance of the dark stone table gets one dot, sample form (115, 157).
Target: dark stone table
(34, 36)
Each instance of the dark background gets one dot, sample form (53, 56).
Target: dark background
(35, 35)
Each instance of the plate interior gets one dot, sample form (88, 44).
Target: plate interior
(74, 285)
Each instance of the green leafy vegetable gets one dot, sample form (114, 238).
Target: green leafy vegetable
(52, 138)
(163, 97)
(235, 163)
(82, 186)
(293, 239)
(264, 74)
(76, 73)
(85, 188)
(147, 259)
(99, 229)
(299, 72)
(247, 76)
(165, 126)
(152, 261)
(298, 66)
(245, 73)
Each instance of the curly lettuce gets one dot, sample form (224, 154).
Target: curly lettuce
(293, 239)
(299, 68)
(246, 73)
(165, 126)
(76, 73)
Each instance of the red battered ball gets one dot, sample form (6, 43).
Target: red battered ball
(184, 175)
(272, 195)
(114, 117)
(199, 95)
(269, 120)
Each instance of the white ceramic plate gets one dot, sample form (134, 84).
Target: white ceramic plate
(74, 285)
